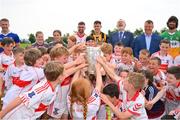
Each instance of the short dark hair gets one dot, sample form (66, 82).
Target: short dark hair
(97, 22)
(175, 70)
(7, 41)
(111, 90)
(148, 75)
(58, 31)
(157, 59)
(165, 41)
(173, 19)
(149, 21)
(4, 19)
(81, 23)
(119, 44)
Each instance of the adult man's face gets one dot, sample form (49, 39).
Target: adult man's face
(172, 25)
(5, 26)
(148, 27)
(121, 25)
(81, 28)
(97, 27)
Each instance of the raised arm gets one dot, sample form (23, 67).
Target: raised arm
(98, 76)
(108, 70)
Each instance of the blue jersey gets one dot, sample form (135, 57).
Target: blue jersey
(11, 35)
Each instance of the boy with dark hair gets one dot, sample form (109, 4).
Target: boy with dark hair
(171, 91)
(112, 92)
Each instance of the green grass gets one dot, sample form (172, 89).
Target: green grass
(24, 45)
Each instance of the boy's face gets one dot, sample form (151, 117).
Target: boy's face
(62, 59)
(143, 59)
(164, 47)
(153, 66)
(39, 63)
(126, 58)
(108, 57)
(8, 48)
(46, 57)
(123, 74)
(91, 43)
(117, 49)
(127, 85)
(19, 57)
(171, 79)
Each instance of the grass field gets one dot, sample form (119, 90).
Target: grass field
(24, 45)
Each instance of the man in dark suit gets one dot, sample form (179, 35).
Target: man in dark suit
(121, 35)
(147, 40)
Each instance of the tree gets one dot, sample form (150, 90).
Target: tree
(163, 30)
(32, 38)
(137, 32)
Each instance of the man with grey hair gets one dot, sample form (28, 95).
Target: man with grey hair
(121, 35)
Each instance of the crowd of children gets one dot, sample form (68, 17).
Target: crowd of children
(55, 83)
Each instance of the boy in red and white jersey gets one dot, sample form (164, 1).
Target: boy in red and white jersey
(32, 73)
(6, 58)
(166, 59)
(133, 102)
(158, 75)
(13, 72)
(32, 104)
(171, 90)
(111, 90)
(58, 109)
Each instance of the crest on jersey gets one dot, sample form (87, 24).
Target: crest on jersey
(31, 94)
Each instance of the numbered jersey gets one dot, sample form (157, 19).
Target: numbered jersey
(34, 102)
(93, 106)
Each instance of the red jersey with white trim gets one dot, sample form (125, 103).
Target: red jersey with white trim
(6, 60)
(34, 102)
(80, 39)
(166, 61)
(59, 105)
(135, 106)
(93, 107)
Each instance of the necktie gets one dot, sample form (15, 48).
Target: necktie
(120, 35)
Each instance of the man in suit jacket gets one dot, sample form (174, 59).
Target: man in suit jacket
(147, 40)
(121, 35)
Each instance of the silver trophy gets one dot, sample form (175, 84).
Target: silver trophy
(92, 53)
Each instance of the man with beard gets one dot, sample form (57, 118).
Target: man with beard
(121, 35)
(80, 35)
(173, 35)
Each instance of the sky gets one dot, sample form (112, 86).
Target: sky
(29, 16)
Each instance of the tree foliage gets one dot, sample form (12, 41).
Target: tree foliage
(32, 38)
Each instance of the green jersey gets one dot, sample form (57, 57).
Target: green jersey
(174, 39)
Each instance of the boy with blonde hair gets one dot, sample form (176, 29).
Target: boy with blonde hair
(32, 104)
